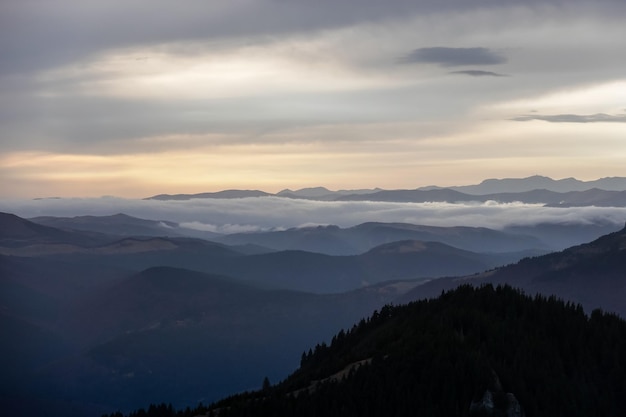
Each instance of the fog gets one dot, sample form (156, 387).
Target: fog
(274, 213)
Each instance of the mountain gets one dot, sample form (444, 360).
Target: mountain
(327, 240)
(605, 192)
(218, 194)
(333, 240)
(413, 258)
(322, 193)
(593, 197)
(410, 196)
(590, 197)
(174, 334)
(293, 270)
(69, 245)
(470, 352)
(117, 225)
(592, 274)
(312, 193)
(287, 269)
(559, 236)
(128, 321)
(17, 232)
(319, 273)
(538, 182)
(474, 347)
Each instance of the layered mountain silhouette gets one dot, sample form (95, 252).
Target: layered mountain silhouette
(118, 322)
(385, 252)
(333, 240)
(355, 240)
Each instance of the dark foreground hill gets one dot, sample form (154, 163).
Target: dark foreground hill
(471, 352)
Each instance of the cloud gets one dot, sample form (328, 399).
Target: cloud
(45, 34)
(479, 73)
(453, 57)
(574, 118)
(90, 79)
(224, 228)
(273, 213)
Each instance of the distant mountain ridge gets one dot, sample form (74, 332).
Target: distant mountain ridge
(538, 182)
(607, 192)
(218, 194)
(322, 193)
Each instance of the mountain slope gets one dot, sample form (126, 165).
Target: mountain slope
(470, 352)
(18, 232)
(593, 274)
(117, 224)
(185, 336)
(319, 273)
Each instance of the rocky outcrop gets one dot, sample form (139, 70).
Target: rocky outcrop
(497, 404)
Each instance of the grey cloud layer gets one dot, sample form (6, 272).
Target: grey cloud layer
(454, 57)
(57, 115)
(113, 125)
(35, 35)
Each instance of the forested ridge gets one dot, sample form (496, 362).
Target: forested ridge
(530, 355)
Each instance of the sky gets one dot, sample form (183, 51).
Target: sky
(141, 97)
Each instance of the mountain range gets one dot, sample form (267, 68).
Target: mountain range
(385, 252)
(568, 192)
(334, 240)
(90, 318)
(94, 322)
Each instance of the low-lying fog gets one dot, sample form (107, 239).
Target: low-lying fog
(274, 213)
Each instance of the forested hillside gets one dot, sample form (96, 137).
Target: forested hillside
(472, 351)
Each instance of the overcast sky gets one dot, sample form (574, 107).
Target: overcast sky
(139, 97)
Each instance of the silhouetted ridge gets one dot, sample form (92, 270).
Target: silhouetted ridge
(16, 232)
